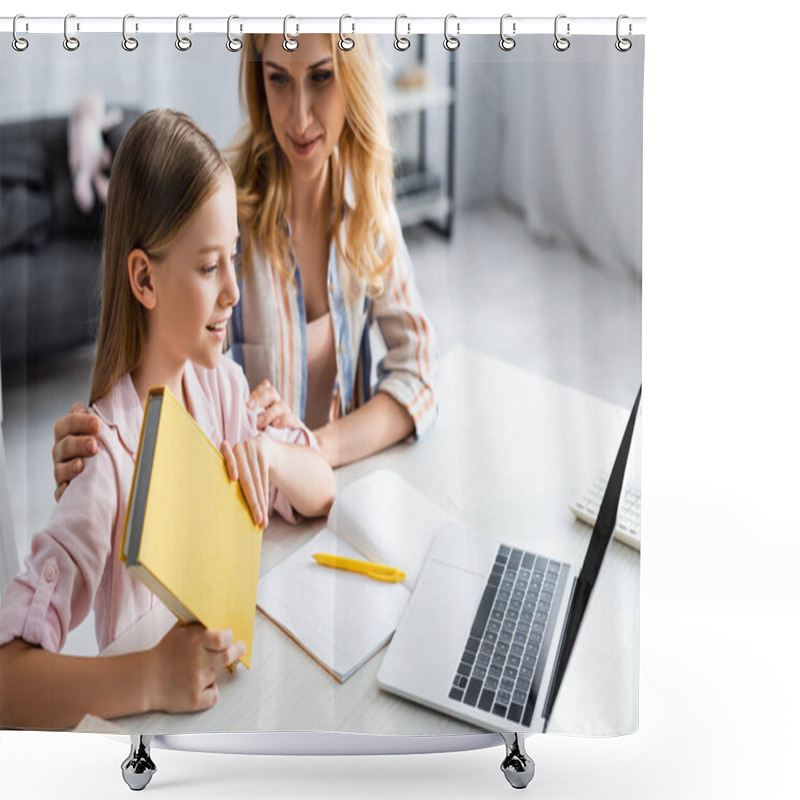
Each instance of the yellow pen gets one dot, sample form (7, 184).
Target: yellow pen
(378, 572)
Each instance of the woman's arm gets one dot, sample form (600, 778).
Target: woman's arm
(41, 689)
(379, 423)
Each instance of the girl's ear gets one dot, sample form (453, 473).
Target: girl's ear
(140, 277)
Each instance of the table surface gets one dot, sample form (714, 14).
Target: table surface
(509, 451)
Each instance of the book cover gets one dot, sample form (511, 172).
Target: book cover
(189, 535)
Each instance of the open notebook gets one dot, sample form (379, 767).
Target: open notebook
(342, 618)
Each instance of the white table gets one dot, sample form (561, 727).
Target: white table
(509, 451)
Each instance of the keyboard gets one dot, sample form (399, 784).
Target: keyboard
(628, 529)
(503, 661)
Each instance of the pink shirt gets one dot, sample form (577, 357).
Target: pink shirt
(74, 563)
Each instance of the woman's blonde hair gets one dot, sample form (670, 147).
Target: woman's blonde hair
(164, 170)
(261, 170)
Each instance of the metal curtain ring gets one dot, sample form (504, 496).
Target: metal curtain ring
(18, 43)
(345, 42)
(233, 44)
(183, 43)
(561, 43)
(507, 42)
(451, 42)
(400, 42)
(128, 42)
(290, 44)
(70, 42)
(623, 45)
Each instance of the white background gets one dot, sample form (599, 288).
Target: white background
(719, 701)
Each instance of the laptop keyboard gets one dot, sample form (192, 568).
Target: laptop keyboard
(503, 661)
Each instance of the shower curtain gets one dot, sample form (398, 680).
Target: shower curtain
(518, 174)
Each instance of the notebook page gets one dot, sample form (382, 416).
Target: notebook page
(387, 520)
(340, 618)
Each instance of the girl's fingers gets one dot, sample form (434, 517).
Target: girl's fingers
(209, 696)
(255, 471)
(263, 465)
(217, 641)
(263, 395)
(230, 461)
(247, 484)
(274, 415)
(255, 395)
(231, 655)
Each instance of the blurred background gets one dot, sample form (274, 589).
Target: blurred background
(518, 185)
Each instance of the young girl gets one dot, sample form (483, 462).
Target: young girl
(168, 290)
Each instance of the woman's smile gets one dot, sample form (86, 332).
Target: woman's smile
(304, 146)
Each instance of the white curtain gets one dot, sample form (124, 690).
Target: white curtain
(569, 197)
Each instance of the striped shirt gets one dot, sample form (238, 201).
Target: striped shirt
(268, 337)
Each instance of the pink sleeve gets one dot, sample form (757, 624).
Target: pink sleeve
(65, 566)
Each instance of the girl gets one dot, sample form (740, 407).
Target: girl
(168, 290)
(324, 259)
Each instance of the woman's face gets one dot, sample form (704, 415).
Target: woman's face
(305, 103)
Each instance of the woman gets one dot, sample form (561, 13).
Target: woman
(323, 259)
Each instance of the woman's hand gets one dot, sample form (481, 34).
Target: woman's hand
(74, 440)
(248, 463)
(185, 664)
(275, 411)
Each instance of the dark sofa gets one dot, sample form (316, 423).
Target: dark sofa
(49, 251)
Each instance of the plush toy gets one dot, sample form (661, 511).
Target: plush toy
(89, 157)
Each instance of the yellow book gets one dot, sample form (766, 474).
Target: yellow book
(189, 535)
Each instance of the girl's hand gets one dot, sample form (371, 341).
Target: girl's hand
(185, 664)
(248, 463)
(74, 439)
(275, 411)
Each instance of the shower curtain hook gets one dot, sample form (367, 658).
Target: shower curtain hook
(233, 44)
(400, 42)
(183, 43)
(451, 42)
(128, 42)
(561, 43)
(18, 43)
(290, 44)
(623, 45)
(507, 42)
(345, 42)
(70, 42)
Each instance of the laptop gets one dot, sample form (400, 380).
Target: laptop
(497, 654)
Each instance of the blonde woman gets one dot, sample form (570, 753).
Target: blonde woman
(323, 259)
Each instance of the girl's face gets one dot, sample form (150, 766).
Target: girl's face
(195, 284)
(305, 103)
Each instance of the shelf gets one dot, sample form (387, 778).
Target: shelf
(408, 101)
(416, 208)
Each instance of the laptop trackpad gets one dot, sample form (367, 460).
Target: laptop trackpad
(427, 646)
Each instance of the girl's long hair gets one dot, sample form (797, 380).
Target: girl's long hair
(164, 170)
(364, 157)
